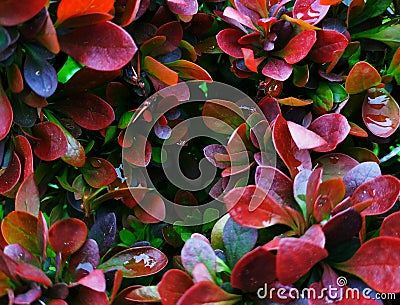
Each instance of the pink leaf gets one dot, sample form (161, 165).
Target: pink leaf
(277, 69)
(298, 47)
(227, 40)
(311, 11)
(304, 138)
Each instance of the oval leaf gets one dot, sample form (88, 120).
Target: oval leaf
(277, 69)
(311, 11)
(98, 172)
(292, 53)
(380, 272)
(72, 8)
(6, 111)
(10, 176)
(380, 113)
(136, 262)
(227, 40)
(50, 141)
(13, 13)
(196, 251)
(112, 52)
(66, 236)
(27, 198)
(391, 225)
(173, 285)
(362, 77)
(383, 190)
(88, 111)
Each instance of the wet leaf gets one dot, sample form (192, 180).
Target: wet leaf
(329, 44)
(383, 190)
(67, 236)
(304, 138)
(98, 172)
(87, 254)
(311, 11)
(112, 52)
(136, 262)
(359, 174)
(380, 272)
(380, 112)
(222, 116)
(50, 141)
(88, 111)
(335, 165)
(362, 77)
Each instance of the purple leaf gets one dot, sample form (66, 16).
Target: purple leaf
(196, 251)
(359, 174)
(238, 240)
(104, 231)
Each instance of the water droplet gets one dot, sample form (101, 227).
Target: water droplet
(372, 192)
(37, 73)
(334, 159)
(95, 163)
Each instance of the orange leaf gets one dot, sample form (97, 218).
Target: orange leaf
(189, 70)
(292, 101)
(160, 71)
(330, 2)
(71, 8)
(362, 77)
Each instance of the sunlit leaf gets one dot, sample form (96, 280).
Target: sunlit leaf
(71, 8)
(362, 77)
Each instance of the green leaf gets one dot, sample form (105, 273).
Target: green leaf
(372, 9)
(111, 134)
(323, 98)
(127, 237)
(69, 69)
(388, 33)
(339, 92)
(125, 119)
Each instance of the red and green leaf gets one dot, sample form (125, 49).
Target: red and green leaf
(27, 198)
(98, 172)
(136, 262)
(188, 70)
(160, 71)
(362, 77)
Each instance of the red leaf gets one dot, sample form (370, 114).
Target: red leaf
(6, 111)
(335, 165)
(73, 8)
(247, 274)
(330, 2)
(173, 32)
(300, 254)
(13, 12)
(50, 141)
(188, 70)
(88, 111)
(391, 225)
(24, 150)
(160, 71)
(310, 11)
(32, 273)
(312, 191)
(136, 262)
(27, 198)
(304, 138)
(173, 285)
(67, 236)
(15, 78)
(292, 52)
(85, 20)
(329, 44)
(17, 228)
(249, 60)
(294, 158)
(114, 50)
(85, 295)
(183, 7)
(47, 36)
(11, 175)
(227, 40)
(377, 263)
(277, 184)
(86, 79)
(357, 131)
(98, 172)
(333, 127)
(383, 190)
(362, 77)
(207, 293)
(252, 207)
(139, 153)
(277, 69)
(95, 280)
(380, 112)
(151, 209)
(153, 43)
